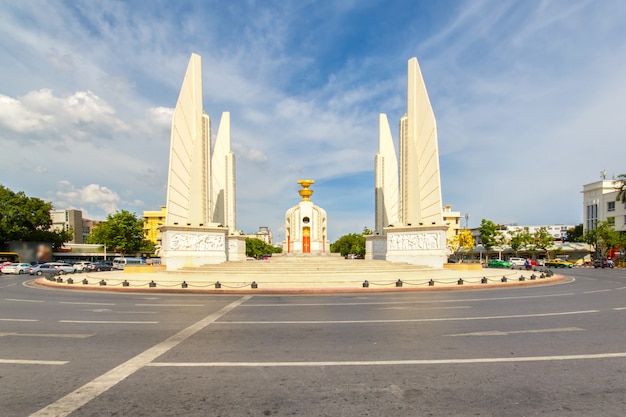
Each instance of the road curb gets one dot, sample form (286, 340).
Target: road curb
(42, 282)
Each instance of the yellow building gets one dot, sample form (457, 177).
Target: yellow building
(453, 220)
(152, 220)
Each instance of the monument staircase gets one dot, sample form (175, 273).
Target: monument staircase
(306, 269)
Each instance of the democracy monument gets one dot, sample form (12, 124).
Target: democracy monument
(200, 226)
(201, 248)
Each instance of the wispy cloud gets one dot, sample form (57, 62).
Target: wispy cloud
(528, 104)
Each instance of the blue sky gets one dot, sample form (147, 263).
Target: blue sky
(528, 96)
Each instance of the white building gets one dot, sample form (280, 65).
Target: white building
(600, 205)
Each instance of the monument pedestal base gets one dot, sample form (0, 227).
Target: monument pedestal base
(423, 245)
(184, 247)
(376, 247)
(236, 248)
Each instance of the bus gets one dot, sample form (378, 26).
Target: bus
(120, 263)
(10, 257)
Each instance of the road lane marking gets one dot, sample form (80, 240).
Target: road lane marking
(108, 322)
(619, 308)
(19, 320)
(522, 297)
(23, 301)
(81, 396)
(423, 308)
(391, 362)
(86, 304)
(62, 335)
(169, 305)
(506, 333)
(514, 316)
(593, 292)
(31, 362)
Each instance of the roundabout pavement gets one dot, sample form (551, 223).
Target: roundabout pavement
(557, 350)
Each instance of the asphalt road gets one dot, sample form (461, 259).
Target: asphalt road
(556, 350)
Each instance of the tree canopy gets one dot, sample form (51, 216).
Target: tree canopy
(27, 219)
(348, 244)
(576, 234)
(489, 233)
(122, 231)
(604, 238)
(463, 240)
(256, 248)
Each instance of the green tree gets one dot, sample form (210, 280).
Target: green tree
(489, 233)
(122, 231)
(350, 243)
(542, 239)
(620, 186)
(576, 234)
(520, 238)
(27, 219)
(256, 248)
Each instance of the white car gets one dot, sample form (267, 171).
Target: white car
(80, 266)
(20, 268)
(517, 261)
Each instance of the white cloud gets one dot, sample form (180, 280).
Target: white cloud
(89, 195)
(78, 115)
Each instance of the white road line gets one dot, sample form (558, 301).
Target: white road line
(31, 362)
(523, 297)
(86, 304)
(81, 396)
(515, 316)
(169, 305)
(62, 335)
(108, 322)
(23, 301)
(18, 320)
(422, 308)
(619, 308)
(593, 292)
(501, 333)
(391, 362)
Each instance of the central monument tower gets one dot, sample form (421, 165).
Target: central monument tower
(306, 225)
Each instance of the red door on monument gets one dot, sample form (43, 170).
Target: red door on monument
(306, 240)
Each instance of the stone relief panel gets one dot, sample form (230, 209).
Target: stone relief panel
(414, 241)
(196, 242)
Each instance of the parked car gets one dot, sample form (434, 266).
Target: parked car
(517, 261)
(80, 266)
(52, 268)
(498, 263)
(98, 266)
(14, 268)
(598, 263)
(559, 263)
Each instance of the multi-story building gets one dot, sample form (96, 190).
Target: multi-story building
(73, 220)
(453, 220)
(152, 220)
(68, 220)
(264, 234)
(600, 205)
